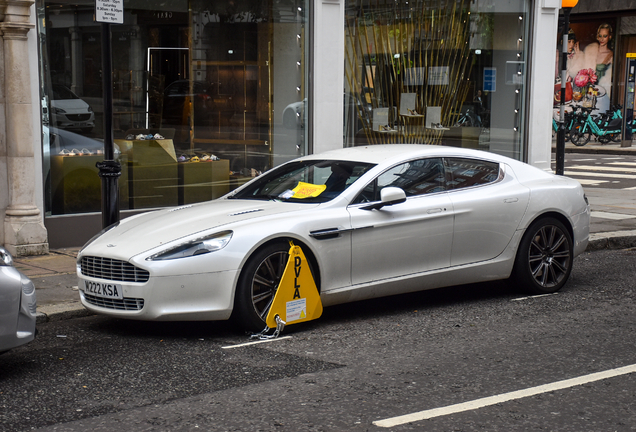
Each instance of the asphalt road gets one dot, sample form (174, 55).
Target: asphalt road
(601, 170)
(358, 364)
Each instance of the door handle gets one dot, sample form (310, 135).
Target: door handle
(436, 210)
(511, 200)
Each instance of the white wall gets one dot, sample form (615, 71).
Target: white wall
(328, 79)
(543, 56)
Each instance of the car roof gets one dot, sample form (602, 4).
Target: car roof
(387, 152)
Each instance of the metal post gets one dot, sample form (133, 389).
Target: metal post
(628, 109)
(560, 145)
(109, 169)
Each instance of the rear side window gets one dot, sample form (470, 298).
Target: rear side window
(471, 172)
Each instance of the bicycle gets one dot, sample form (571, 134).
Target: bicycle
(602, 127)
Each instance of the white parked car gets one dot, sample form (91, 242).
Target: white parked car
(17, 305)
(373, 221)
(68, 111)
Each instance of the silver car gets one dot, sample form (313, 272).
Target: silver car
(373, 221)
(17, 305)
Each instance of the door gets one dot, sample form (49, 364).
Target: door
(488, 206)
(406, 238)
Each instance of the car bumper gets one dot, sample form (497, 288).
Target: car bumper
(18, 309)
(198, 297)
(581, 230)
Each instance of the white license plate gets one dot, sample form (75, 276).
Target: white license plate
(103, 289)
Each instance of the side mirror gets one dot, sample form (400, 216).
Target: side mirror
(388, 196)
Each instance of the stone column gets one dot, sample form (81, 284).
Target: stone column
(24, 231)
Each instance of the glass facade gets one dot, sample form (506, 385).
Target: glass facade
(449, 72)
(206, 95)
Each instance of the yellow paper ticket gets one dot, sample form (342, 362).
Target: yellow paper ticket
(308, 190)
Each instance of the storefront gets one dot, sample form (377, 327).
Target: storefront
(442, 72)
(208, 95)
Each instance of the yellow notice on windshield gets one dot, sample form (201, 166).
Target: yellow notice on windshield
(297, 297)
(308, 190)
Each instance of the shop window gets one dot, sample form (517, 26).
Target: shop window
(436, 72)
(199, 91)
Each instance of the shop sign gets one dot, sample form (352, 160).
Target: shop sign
(109, 11)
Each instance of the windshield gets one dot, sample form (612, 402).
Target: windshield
(312, 181)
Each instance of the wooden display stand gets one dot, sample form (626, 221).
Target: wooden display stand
(153, 176)
(76, 186)
(203, 181)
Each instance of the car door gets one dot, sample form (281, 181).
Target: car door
(405, 238)
(488, 203)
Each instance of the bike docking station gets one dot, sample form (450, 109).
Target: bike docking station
(296, 300)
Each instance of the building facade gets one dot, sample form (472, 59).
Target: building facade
(209, 94)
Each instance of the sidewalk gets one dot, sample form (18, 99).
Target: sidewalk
(56, 281)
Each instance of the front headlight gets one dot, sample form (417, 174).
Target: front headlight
(198, 246)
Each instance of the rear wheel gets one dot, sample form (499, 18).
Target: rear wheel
(544, 258)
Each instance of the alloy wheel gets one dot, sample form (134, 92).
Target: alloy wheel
(549, 256)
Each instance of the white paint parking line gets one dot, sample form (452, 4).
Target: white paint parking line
(591, 182)
(505, 397)
(601, 168)
(592, 174)
(256, 342)
(611, 216)
(532, 297)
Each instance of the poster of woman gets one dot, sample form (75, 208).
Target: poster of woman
(589, 65)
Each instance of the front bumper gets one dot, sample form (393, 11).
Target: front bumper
(191, 297)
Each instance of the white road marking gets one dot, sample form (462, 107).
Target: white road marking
(505, 397)
(601, 168)
(591, 174)
(612, 216)
(591, 182)
(612, 158)
(533, 297)
(256, 342)
(629, 188)
(622, 163)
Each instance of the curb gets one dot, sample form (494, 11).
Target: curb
(59, 312)
(612, 240)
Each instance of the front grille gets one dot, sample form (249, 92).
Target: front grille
(127, 304)
(78, 117)
(112, 269)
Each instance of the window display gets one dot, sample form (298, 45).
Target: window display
(439, 72)
(199, 95)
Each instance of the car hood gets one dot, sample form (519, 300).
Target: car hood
(141, 233)
(70, 105)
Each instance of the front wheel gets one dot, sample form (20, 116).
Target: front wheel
(544, 258)
(579, 136)
(258, 284)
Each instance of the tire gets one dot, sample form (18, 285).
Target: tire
(257, 285)
(544, 259)
(577, 137)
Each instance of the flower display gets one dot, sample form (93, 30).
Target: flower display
(585, 77)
